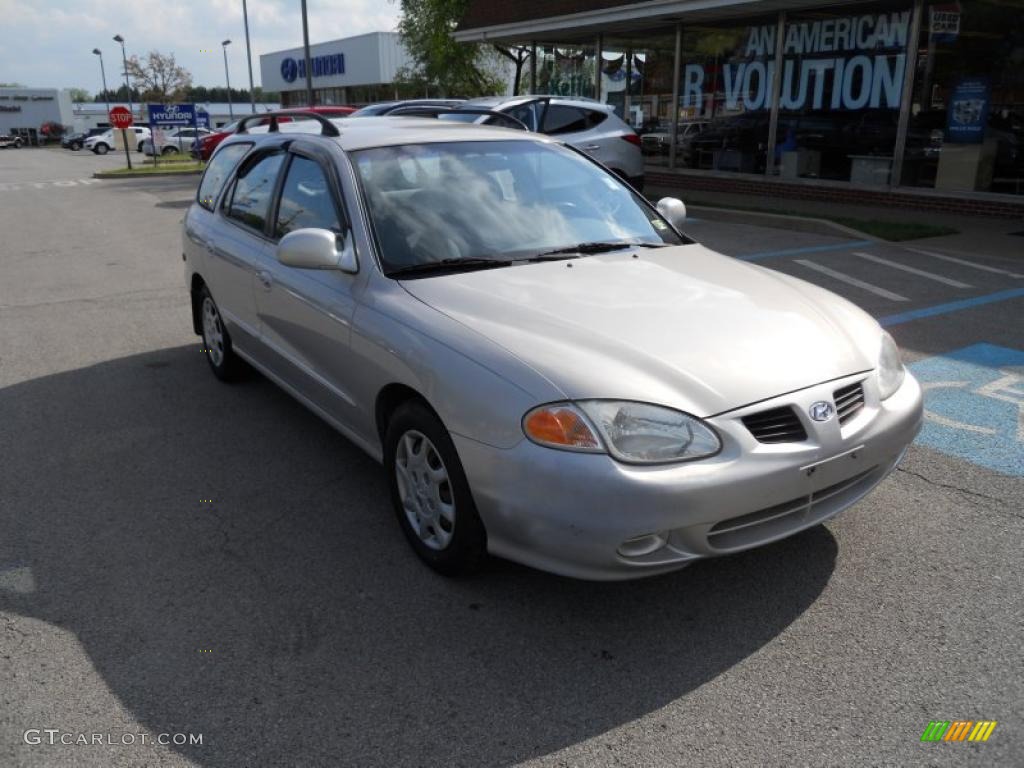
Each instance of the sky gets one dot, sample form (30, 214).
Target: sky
(48, 43)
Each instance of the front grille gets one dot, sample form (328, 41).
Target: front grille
(770, 522)
(779, 425)
(849, 400)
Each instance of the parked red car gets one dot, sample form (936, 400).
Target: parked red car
(205, 146)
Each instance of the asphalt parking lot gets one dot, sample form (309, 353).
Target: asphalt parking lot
(178, 556)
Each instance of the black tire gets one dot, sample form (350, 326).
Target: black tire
(101, 149)
(75, 146)
(467, 549)
(224, 363)
(139, 147)
(169, 151)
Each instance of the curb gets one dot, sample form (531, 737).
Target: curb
(780, 221)
(808, 224)
(144, 174)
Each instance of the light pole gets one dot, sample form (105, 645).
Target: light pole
(224, 47)
(248, 56)
(124, 58)
(305, 47)
(103, 74)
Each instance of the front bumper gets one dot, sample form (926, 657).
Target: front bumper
(589, 516)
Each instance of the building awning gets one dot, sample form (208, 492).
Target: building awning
(580, 20)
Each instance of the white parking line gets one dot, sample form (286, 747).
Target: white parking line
(17, 186)
(964, 262)
(852, 280)
(912, 270)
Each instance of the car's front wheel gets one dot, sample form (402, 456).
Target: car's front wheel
(169, 151)
(226, 365)
(101, 149)
(75, 146)
(430, 492)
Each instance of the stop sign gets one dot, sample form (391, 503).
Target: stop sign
(120, 117)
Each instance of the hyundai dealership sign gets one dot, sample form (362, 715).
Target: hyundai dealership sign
(369, 59)
(331, 64)
(171, 115)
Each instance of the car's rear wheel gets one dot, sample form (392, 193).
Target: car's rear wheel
(226, 365)
(76, 145)
(430, 492)
(169, 150)
(101, 149)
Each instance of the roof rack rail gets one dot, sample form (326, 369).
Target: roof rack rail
(327, 128)
(432, 111)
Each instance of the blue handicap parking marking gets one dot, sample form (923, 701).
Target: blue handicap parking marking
(974, 405)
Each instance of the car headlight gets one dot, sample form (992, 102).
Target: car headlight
(890, 368)
(638, 433)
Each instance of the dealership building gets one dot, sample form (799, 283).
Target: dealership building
(353, 70)
(23, 111)
(907, 102)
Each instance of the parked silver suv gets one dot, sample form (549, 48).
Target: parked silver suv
(584, 123)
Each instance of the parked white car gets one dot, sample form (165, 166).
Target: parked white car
(105, 141)
(175, 140)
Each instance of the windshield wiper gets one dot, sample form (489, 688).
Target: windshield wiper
(448, 265)
(602, 247)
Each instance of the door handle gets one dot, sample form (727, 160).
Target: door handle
(266, 279)
(591, 147)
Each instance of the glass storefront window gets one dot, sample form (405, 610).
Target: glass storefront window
(637, 79)
(966, 130)
(725, 95)
(566, 70)
(841, 86)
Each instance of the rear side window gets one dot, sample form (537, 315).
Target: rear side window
(595, 117)
(563, 119)
(306, 199)
(253, 190)
(217, 171)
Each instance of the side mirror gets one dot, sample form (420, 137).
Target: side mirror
(673, 209)
(317, 249)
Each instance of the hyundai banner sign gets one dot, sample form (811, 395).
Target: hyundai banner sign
(170, 115)
(331, 64)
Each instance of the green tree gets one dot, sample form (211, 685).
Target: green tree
(79, 94)
(159, 77)
(441, 63)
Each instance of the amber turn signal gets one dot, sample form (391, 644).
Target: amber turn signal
(560, 426)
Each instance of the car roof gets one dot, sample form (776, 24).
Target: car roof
(386, 131)
(573, 101)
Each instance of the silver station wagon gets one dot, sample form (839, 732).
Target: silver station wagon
(549, 370)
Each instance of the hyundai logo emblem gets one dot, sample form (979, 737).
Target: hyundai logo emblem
(289, 69)
(821, 410)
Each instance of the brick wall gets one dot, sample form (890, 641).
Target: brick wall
(840, 193)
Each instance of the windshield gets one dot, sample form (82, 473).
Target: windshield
(499, 201)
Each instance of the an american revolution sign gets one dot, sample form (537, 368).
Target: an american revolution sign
(846, 63)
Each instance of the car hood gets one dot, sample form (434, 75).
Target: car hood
(681, 326)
